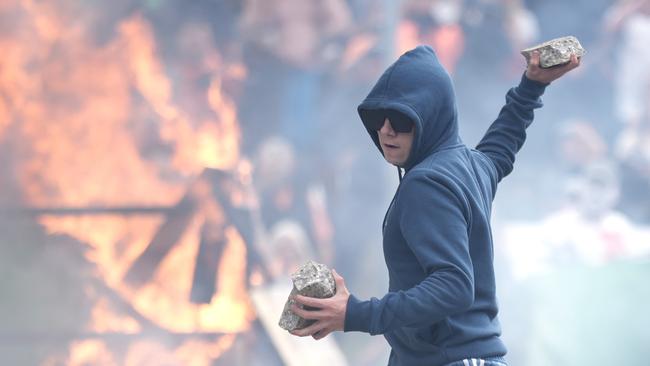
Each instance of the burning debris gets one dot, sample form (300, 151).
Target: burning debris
(106, 154)
(209, 194)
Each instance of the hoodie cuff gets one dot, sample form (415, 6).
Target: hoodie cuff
(357, 315)
(531, 88)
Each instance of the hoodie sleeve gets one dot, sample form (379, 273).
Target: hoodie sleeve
(434, 224)
(507, 133)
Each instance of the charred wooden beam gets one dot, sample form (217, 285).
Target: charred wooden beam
(213, 237)
(85, 211)
(175, 223)
(204, 283)
(173, 227)
(240, 219)
(213, 241)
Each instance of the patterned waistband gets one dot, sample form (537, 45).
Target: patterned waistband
(488, 361)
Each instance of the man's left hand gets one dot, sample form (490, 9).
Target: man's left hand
(329, 314)
(546, 75)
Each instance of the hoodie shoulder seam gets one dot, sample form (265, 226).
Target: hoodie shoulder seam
(488, 161)
(439, 179)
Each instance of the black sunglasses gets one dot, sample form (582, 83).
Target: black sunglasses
(374, 120)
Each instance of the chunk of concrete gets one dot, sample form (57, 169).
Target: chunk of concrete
(556, 51)
(312, 280)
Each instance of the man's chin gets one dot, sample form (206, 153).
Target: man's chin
(394, 162)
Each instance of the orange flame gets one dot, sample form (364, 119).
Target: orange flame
(90, 352)
(82, 135)
(4, 117)
(212, 144)
(191, 353)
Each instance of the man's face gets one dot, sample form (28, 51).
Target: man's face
(395, 145)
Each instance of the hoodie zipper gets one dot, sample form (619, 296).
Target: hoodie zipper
(390, 207)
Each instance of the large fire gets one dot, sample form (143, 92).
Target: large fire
(101, 126)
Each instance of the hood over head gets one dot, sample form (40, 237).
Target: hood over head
(417, 86)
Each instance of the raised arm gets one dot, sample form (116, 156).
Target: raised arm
(507, 133)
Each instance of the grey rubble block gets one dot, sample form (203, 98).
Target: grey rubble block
(313, 280)
(556, 51)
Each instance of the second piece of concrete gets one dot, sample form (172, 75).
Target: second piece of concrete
(313, 280)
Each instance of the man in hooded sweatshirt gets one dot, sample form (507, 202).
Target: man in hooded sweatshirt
(441, 307)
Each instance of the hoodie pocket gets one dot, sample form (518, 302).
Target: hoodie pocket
(431, 337)
(419, 339)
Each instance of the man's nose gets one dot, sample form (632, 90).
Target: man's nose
(387, 129)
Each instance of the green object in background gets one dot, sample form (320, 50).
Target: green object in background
(591, 316)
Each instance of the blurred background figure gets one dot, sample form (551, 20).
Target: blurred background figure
(585, 228)
(436, 23)
(292, 207)
(288, 47)
(629, 21)
(633, 153)
(580, 144)
(521, 27)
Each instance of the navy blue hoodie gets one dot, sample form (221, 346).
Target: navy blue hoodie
(441, 305)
